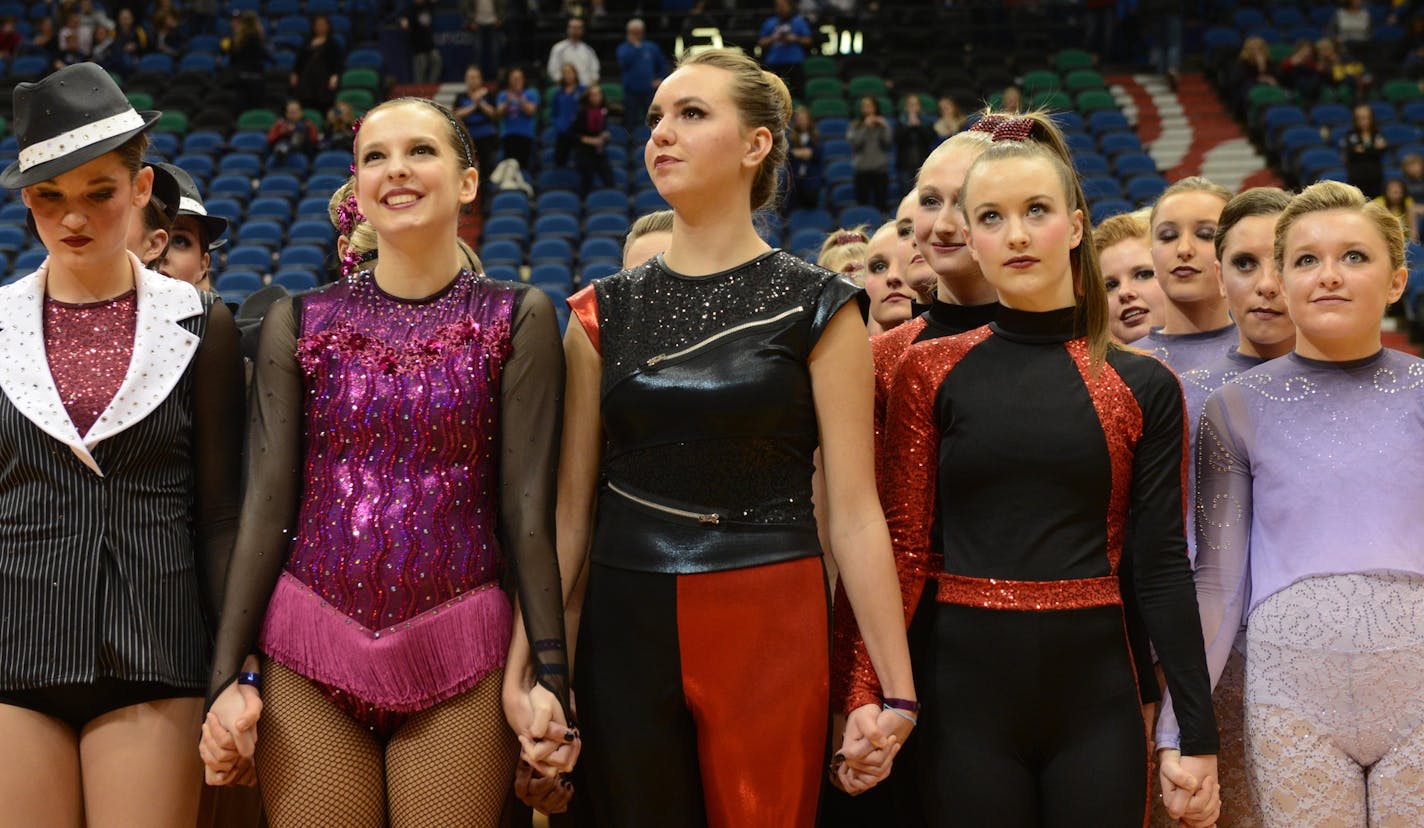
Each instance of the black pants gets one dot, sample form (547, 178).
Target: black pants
(871, 188)
(591, 162)
(520, 148)
(1032, 719)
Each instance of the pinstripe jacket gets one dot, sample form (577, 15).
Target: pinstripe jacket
(112, 543)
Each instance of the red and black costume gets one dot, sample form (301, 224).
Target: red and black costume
(1035, 474)
(703, 664)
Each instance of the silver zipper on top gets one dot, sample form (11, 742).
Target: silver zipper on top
(652, 361)
(705, 519)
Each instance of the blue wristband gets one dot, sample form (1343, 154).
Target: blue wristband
(253, 679)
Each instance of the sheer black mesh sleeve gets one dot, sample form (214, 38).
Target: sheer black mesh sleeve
(531, 416)
(217, 452)
(269, 508)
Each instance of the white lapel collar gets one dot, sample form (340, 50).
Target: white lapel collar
(24, 368)
(161, 352)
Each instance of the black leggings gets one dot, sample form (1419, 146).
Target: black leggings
(1033, 720)
(78, 704)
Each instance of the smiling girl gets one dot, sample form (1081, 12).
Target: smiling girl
(1309, 530)
(405, 425)
(1134, 295)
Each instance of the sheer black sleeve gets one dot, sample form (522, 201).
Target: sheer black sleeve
(269, 508)
(217, 452)
(1162, 572)
(532, 407)
(1137, 638)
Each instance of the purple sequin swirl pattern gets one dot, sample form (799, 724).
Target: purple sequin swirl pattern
(401, 493)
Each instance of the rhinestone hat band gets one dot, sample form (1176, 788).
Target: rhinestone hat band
(78, 138)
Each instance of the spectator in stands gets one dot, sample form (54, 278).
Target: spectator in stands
(844, 252)
(1411, 168)
(1164, 19)
(118, 529)
(1397, 201)
(891, 300)
(950, 120)
(292, 133)
(69, 52)
(805, 154)
(340, 121)
(1253, 65)
(167, 38)
(914, 138)
(45, 40)
(1300, 72)
(317, 71)
(784, 39)
(573, 50)
(591, 137)
(516, 108)
(1350, 26)
(194, 235)
(247, 57)
(1364, 149)
(562, 108)
(644, 66)
(419, 23)
(485, 18)
(475, 107)
(870, 142)
(1135, 299)
(82, 33)
(103, 52)
(10, 38)
(648, 237)
(91, 15)
(1010, 100)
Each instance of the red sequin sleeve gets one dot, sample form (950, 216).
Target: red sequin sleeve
(907, 470)
(584, 305)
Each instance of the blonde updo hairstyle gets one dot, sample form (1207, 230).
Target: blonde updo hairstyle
(762, 100)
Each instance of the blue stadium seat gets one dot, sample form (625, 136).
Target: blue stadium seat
(364, 58)
(156, 62)
(1069, 121)
(558, 201)
(861, 214)
(808, 238)
(324, 184)
(600, 247)
(240, 163)
(1397, 134)
(1118, 141)
(302, 256)
(294, 163)
(1281, 116)
(205, 43)
(1106, 208)
(315, 208)
(252, 257)
(503, 273)
(312, 231)
(1080, 142)
(606, 200)
(1296, 139)
(1106, 120)
(30, 260)
(13, 238)
(502, 252)
(559, 178)
(14, 213)
(334, 162)
(281, 8)
(270, 209)
(1090, 163)
(513, 202)
(203, 141)
(249, 140)
(838, 172)
(551, 251)
(1144, 189)
(803, 219)
(842, 195)
(241, 279)
(1330, 115)
(30, 66)
(550, 274)
(229, 208)
(266, 233)
(1310, 162)
(164, 144)
(836, 149)
(294, 25)
(561, 225)
(280, 184)
(597, 270)
(648, 200)
(295, 279)
(506, 227)
(1133, 164)
(199, 166)
(611, 225)
(202, 62)
(1097, 187)
(832, 127)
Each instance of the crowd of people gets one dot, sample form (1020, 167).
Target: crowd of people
(1084, 502)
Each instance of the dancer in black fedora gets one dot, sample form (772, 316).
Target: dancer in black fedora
(119, 394)
(195, 234)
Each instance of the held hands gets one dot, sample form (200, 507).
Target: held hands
(230, 733)
(546, 741)
(873, 736)
(1190, 790)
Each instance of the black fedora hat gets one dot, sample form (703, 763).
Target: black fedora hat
(190, 203)
(67, 119)
(166, 190)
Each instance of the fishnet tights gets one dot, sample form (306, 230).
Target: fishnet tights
(452, 764)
